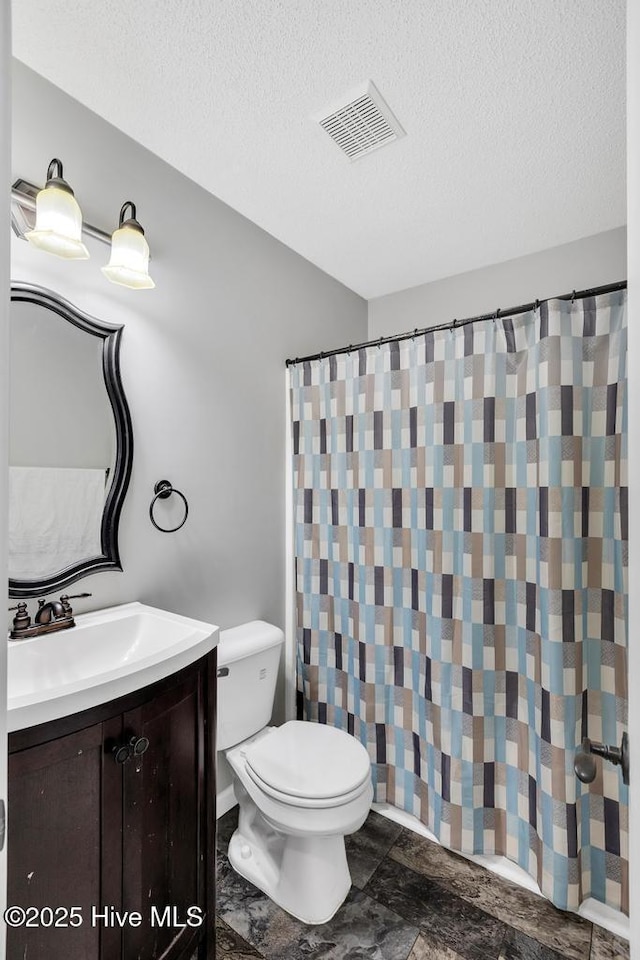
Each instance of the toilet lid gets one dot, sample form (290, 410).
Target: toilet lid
(309, 760)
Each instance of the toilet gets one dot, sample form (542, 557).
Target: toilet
(300, 787)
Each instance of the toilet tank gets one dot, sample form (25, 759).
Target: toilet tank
(248, 658)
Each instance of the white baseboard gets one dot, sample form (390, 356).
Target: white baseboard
(225, 801)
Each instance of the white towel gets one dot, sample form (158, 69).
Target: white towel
(55, 514)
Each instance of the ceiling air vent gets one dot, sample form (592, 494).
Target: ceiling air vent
(361, 122)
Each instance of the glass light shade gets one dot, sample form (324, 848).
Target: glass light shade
(129, 261)
(58, 226)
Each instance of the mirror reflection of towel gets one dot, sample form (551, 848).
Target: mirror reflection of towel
(55, 514)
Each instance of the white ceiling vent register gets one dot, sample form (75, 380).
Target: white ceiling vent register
(361, 122)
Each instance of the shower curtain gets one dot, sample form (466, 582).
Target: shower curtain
(460, 537)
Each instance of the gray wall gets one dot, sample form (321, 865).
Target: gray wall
(573, 266)
(202, 360)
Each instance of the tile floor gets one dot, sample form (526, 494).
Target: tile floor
(410, 900)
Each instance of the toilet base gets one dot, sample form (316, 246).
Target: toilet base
(306, 876)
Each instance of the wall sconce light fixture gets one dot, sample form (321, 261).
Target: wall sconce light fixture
(58, 227)
(129, 262)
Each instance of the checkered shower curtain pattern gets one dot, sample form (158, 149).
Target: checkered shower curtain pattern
(461, 554)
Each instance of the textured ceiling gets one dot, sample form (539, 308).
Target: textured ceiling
(514, 113)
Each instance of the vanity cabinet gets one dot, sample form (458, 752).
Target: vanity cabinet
(114, 833)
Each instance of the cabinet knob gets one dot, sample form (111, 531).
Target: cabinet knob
(121, 753)
(138, 746)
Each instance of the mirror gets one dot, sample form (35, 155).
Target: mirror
(70, 446)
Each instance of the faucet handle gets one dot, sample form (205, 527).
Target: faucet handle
(22, 620)
(66, 606)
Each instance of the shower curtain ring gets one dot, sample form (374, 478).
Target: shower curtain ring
(573, 297)
(498, 313)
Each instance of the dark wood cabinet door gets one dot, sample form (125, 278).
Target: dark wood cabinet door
(55, 836)
(164, 823)
(88, 832)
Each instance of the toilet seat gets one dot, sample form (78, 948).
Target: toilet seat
(308, 803)
(308, 765)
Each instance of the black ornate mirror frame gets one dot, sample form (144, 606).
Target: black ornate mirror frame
(110, 334)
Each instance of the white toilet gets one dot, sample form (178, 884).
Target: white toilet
(301, 787)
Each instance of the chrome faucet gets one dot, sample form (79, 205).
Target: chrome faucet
(51, 616)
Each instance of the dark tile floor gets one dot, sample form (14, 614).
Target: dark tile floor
(410, 900)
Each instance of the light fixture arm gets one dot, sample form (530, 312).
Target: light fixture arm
(56, 179)
(131, 221)
(57, 163)
(127, 203)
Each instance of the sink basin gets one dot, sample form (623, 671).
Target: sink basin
(107, 654)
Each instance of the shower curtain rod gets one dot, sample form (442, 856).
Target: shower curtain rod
(454, 324)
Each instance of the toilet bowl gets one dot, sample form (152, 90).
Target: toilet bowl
(300, 787)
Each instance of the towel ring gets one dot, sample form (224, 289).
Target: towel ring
(162, 490)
